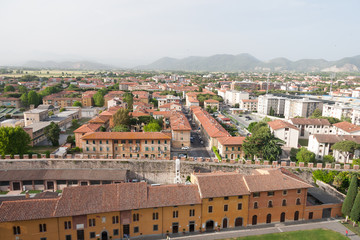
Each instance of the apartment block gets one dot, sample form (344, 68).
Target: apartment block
(301, 107)
(268, 102)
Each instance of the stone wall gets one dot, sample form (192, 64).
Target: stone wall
(331, 190)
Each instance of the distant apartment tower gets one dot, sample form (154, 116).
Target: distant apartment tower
(244, 85)
(268, 102)
(301, 107)
(337, 110)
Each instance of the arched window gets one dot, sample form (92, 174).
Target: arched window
(270, 204)
(256, 205)
(298, 201)
(284, 202)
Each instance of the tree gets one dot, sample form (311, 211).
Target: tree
(9, 88)
(33, 98)
(271, 112)
(70, 139)
(120, 128)
(355, 211)
(257, 126)
(77, 104)
(98, 99)
(155, 102)
(316, 114)
(75, 123)
(22, 89)
(328, 159)
(153, 126)
(350, 196)
(62, 109)
(13, 140)
(305, 156)
(293, 152)
(129, 99)
(121, 117)
(272, 150)
(24, 99)
(347, 147)
(237, 105)
(52, 133)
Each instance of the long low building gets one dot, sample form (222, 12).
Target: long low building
(209, 202)
(57, 179)
(128, 144)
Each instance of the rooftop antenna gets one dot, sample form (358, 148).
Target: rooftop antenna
(267, 83)
(177, 179)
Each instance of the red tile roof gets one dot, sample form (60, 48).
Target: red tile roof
(310, 121)
(125, 135)
(228, 141)
(347, 127)
(210, 125)
(90, 127)
(279, 124)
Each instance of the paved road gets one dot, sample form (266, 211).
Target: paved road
(331, 225)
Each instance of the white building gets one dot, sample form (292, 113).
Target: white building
(355, 116)
(308, 126)
(337, 110)
(321, 144)
(301, 107)
(250, 105)
(268, 102)
(286, 132)
(346, 128)
(232, 97)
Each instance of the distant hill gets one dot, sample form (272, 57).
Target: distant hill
(246, 62)
(80, 65)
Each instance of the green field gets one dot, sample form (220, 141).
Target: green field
(316, 234)
(32, 192)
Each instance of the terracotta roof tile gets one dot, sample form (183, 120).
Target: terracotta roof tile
(227, 141)
(347, 127)
(331, 138)
(91, 127)
(125, 135)
(310, 121)
(279, 124)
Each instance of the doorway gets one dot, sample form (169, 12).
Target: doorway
(80, 234)
(210, 225)
(254, 220)
(282, 217)
(175, 227)
(225, 223)
(16, 186)
(126, 230)
(326, 213)
(238, 222)
(50, 185)
(296, 216)
(104, 235)
(191, 226)
(268, 218)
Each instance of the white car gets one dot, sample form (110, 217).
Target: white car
(185, 148)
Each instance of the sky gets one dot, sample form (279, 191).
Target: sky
(127, 33)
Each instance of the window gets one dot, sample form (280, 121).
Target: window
(100, 141)
(107, 141)
(240, 197)
(226, 208)
(68, 237)
(92, 222)
(93, 141)
(155, 216)
(155, 227)
(271, 193)
(87, 141)
(192, 212)
(16, 230)
(299, 191)
(210, 209)
(285, 192)
(42, 227)
(43, 238)
(130, 141)
(67, 224)
(116, 141)
(116, 232)
(175, 214)
(311, 215)
(115, 219)
(136, 229)
(123, 141)
(152, 141)
(256, 205)
(138, 141)
(158, 141)
(145, 141)
(256, 194)
(135, 217)
(226, 198)
(165, 142)
(238, 148)
(270, 204)
(298, 201)
(239, 206)
(92, 235)
(283, 202)
(210, 199)
(94, 149)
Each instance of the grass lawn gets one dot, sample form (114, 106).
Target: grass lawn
(350, 227)
(81, 121)
(42, 149)
(59, 191)
(3, 192)
(304, 142)
(32, 191)
(317, 234)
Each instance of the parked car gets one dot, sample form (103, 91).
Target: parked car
(185, 148)
(182, 155)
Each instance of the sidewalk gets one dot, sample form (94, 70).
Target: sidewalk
(334, 225)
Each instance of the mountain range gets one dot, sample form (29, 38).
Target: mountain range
(247, 62)
(68, 65)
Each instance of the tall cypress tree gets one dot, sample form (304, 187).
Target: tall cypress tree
(355, 211)
(350, 196)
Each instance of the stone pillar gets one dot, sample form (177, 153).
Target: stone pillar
(292, 164)
(69, 156)
(199, 159)
(266, 162)
(257, 162)
(232, 161)
(274, 163)
(310, 165)
(301, 164)
(7, 157)
(26, 156)
(208, 160)
(328, 165)
(356, 167)
(319, 165)
(16, 156)
(337, 166)
(191, 159)
(346, 166)
(52, 156)
(43, 155)
(283, 164)
(248, 162)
